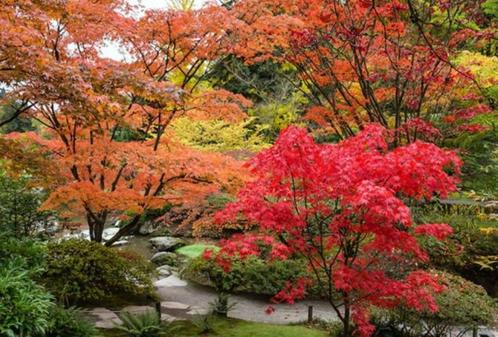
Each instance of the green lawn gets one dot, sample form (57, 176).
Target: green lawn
(195, 250)
(236, 328)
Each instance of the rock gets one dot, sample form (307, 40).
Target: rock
(106, 319)
(147, 228)
(171, 281)
(166, 243)
(120, 243)
(84, 234)
(168, 318)
(199, 311)
(164, 273)
(68, 236)
(161, 231)
(164, 270)
(109, 233)
(52, 227)
(109, 324)
(137, 310)
(163, 258)
(174, 305)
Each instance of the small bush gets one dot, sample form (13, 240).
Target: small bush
(69, 323)
(19, 206)
(204, 323)
(471, 251)
(462, 304)
(147, 324)
(29, 254)
(81, 271)
(251, 275)
(24, 305)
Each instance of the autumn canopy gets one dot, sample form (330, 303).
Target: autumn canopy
(323, 122)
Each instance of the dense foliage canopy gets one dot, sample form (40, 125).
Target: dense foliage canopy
(350, 114)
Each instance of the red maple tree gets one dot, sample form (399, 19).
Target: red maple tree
(342, 208)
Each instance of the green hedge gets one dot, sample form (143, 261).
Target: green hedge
(80, 271)
(254, 275)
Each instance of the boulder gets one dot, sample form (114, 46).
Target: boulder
(109, 233)
(84, 235)
(147, 228)
(120, 243)
(166, 243)
(138, 310)
(170, 281)
(163, 258)
(164, 270)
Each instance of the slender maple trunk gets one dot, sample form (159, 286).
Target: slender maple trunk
(347, 331)
(128, 229)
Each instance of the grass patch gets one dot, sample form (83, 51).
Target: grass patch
(195, 250)
(236, 328)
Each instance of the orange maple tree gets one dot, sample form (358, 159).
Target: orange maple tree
(104, 122)
(366, 61)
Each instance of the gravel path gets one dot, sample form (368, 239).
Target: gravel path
(183, 300)
(248, 308)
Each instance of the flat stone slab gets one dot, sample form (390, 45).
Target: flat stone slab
(108, 324)
(106, 319)
(198, 311)
(137, 309)
(168, 318)
(170, 281)
(103, 313)
(175, 305)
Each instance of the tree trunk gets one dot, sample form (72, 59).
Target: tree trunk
(99, 229)
(125, 230)
(96, 228)
(347, 331)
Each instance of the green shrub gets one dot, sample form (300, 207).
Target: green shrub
(471, 251)
(69, 323)
(204, 323)
(80, 271)
(252, 275)
(462, 304)
(29, 254)
(24, 305)
(147, 324)
(19, 203)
